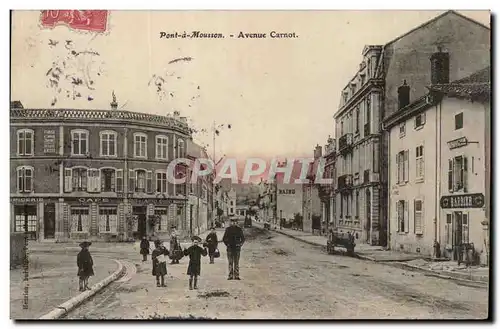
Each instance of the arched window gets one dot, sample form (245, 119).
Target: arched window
(25, 179)
(161, 147)
(140, 145)
(79, 142)
(25, 142)
(108, 143)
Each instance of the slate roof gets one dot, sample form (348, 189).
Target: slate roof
(475, 85)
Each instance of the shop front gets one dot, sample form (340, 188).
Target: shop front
(25, 216)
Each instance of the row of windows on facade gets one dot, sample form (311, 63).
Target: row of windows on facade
(108, 144)
(80, 220)
(419, 122)
(457, 221)
(457, 169)
(346, 123)
(363, 157)
(107, 180)
(363, 77)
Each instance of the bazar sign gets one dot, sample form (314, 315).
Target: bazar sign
(462, 201)
(88, 20)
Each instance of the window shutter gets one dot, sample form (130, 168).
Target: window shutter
(97, 179)
(398, 214)
(450, 175)
(448, 230)
(67, 180)
(20, 180)
(90, 181)
(398, 167)
(131, 180)
(465, 171)
(119, 180)
(465, 227)
(423, 118)
(149, 182)
(103, 181)
(406, 219)
(407, 165)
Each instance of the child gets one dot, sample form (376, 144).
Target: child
(85, 263)
(212, 243)
(159, 263)
(144, 248)
(194, 269)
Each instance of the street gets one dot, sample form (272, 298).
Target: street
(286, 279)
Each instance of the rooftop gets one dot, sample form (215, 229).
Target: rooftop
(172, 122)
(476, 84)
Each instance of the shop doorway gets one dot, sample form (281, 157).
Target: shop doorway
(368, 216)
(140, 212)
(49, 221)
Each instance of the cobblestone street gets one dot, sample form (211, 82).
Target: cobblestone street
(286, 279)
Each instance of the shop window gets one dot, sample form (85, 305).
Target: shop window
(163, 222)
(108, 220)
(79, 219)
(25, 219)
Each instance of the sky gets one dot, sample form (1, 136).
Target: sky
(279, 95)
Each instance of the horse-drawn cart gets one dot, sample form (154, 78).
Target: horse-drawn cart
(336, 239)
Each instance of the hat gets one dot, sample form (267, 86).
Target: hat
(212, 227)
(173, 226)
(85, 244)
(234, 219)
(196, 238)
(158, 242)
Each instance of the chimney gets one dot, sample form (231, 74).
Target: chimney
(440, 67)
(403, 95)
(114, 104)
(318, 152)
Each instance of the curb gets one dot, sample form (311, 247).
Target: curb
(69, 305)
(481, 280)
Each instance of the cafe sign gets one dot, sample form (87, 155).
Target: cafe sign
(459, 142)
(462, 201)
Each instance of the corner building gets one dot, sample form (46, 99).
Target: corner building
(99, 175)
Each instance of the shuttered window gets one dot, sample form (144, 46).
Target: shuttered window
(418, 216)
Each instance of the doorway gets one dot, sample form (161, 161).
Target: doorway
(460, 232)
(368, 213)
(140, 212)
(49, 221)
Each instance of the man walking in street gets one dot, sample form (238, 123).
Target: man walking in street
(233, 239)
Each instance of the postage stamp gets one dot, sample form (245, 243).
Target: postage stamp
(245, 165)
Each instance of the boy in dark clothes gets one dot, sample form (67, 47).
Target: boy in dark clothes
(212, 242)
(85, 263)
(194, 268)
(144, 248)
(159, 263)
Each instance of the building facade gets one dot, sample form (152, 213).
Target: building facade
(95, 174)
(327, 192)
(311, 204)
(438, 166)
(357, 122)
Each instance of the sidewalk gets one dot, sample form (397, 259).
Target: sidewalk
(415, 262)
(52, 281)
(318, 240)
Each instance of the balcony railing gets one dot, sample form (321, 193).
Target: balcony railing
(367, 129)
(345, 142)
(344, 182)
